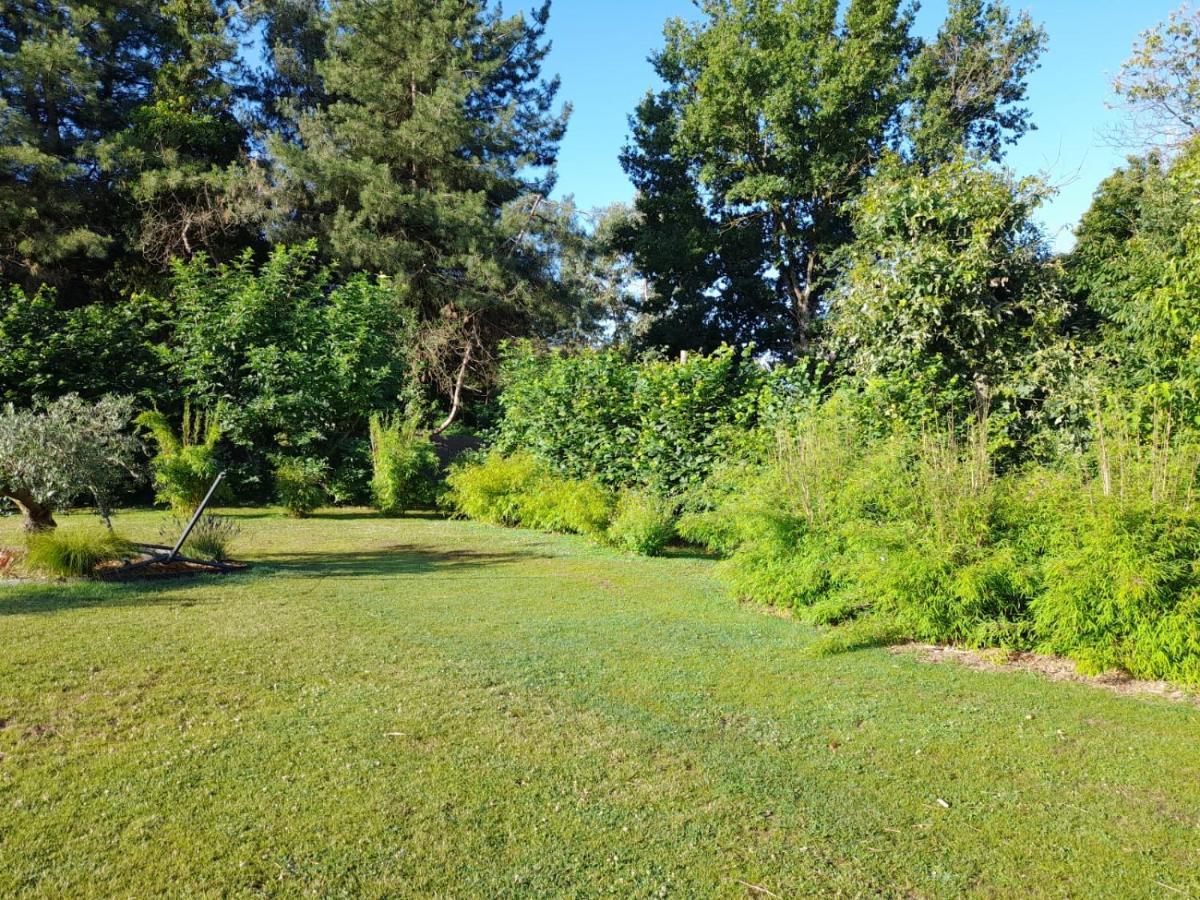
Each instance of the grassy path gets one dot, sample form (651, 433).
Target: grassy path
(431, 708)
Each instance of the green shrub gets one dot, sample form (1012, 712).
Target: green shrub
(842, 522)
(405, 467)
(642, 523)
(520, 490)
(494, 488)
(648, 423)
(73, 553)
(552, 503)
(1122, 590)
(300, 484)
(186, 464)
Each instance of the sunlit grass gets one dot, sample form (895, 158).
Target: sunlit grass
(418, 707)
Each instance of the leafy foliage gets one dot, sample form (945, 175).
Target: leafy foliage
(569, 505)
(296, 363)
(493, 489)
(1161, 80)
(642, 523)
(404, 464)
(300, 484)
(947, 303)
(772, 116)
(63, 450)
(91, 350)
(652, 423)
(520, 490)
(903, 537)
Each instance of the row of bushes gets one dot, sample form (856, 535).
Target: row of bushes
(404, 465)
(881, 531)
(647, 422)
(520, 490)
(917, 537)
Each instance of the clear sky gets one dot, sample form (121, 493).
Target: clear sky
(601, 49)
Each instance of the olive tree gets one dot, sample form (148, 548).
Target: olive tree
(64, 450)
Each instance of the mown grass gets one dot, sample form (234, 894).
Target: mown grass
(417, 707)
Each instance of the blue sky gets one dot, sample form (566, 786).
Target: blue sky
(601, 46)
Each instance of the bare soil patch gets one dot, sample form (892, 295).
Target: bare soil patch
(1054, 668)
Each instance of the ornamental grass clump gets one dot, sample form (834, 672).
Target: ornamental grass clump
(73, 553)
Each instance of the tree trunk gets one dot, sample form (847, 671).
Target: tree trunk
(38, 517)
(456, 395)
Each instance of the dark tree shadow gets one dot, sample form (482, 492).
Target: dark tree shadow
(48, 597)
(24, 598)
(398, 559)
(351, 515)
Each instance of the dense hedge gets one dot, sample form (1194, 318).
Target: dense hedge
(648, 422)
(916, 536)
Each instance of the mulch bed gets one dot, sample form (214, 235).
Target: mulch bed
(120, 570)
(139, 568)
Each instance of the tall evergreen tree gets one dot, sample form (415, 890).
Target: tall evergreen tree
(114, 121)
(430, 157)
(70, 75)
(177, 161)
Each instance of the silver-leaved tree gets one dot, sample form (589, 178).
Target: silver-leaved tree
(65, 450)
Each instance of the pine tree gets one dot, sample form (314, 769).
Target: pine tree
(70, 74)
(116, 128)
(178, 161)
(429, 157)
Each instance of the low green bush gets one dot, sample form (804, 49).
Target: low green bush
(642, 523)
(300, 484)
(492, 489)
(73, 553)
(571, 505)
(1122, 590)
(521, 491)
(404, 465)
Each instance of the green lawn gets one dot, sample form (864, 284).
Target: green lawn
(429, 708)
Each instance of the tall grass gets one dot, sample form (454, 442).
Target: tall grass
(404, 465)
(1096, 558)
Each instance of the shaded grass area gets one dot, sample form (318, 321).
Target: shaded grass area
(416, 707)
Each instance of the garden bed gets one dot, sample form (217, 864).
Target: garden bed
(1054, 668)
(146, 569)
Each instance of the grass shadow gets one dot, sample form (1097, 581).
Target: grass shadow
(25, 598)
(398, 559)
(687, 551)
(356, 515)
